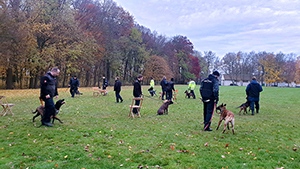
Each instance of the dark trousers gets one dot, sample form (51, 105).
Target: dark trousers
(137, 102)
(208, 109)
(256, 105)
(118, 96)
(103, 87)
(169, 95)
(151, 91)
(73, 91)
(192, 91)
(49, 110)
(164, 92)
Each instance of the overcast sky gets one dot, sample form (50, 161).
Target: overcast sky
(223, 26)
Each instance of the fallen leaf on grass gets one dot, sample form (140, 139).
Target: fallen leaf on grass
(295, 149)
(172, 147)
(206, 144)
(241, 149)
(56, 165)
(227, 144)
(223, 156)
(66, 156)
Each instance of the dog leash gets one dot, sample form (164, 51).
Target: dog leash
(211, 117)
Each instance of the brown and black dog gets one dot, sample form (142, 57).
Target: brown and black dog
(227, 116)
(164, 108)
(244, 107)
(187, 94)
(40, 110)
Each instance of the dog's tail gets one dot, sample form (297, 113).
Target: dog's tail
(239, 107)
(33, 111)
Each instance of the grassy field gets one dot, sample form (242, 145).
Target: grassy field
(97, 132)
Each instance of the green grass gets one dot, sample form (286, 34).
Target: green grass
(97, 133)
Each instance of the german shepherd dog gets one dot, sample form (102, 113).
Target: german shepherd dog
(164, 108)
(40, 110)
(227, 116)
(244, 107)
(187, 94)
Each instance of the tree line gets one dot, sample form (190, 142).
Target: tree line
(92, 39)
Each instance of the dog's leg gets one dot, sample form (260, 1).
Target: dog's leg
(219, 123)
(225, 124)
(240, 111)
(232, 124)
(36, 116)
(57, 119)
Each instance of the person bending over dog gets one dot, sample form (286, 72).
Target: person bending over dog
(48, 91)
(191, 87)
(253, 89)
(209, 91)
(137, 92)
(74, 85)
(151, 89)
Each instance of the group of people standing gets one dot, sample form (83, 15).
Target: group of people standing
(209, 91)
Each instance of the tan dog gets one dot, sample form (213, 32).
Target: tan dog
(104, 92)
(227, 116)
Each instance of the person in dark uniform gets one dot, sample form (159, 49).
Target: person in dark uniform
(74, 85)
(137, 92)
(117, 89)
(163, 84)
(209, 91)
(170, 89)
(105, 84)
(48, 91)
(253, 89)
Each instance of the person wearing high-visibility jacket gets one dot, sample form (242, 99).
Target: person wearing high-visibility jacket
(192, 86)
(151, 89)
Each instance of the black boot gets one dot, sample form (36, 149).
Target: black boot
(257, 111)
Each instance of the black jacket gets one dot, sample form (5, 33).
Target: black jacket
(105, 84)
(253, 89)
(170, 86)
(210, 88)
(48, 86)
(117, 86)
(137, 89)
(164, 83)
(74, 83)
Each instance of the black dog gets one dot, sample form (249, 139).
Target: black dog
(164, 108)
(244, 107)
(187, 94)
(40, 110)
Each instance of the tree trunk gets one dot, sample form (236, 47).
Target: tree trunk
(9, 78)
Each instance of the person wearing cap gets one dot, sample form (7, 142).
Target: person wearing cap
(253, 89)
(209, 91)
(74, 85)
(192, 86)
(137, 92)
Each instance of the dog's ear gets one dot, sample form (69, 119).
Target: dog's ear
(63, 100)
(224, 104)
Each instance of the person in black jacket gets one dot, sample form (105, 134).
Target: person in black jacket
(105, 84)
(209, 91)
(137, 92)
(170, 89)
(117, 89)
(253, 89)
(48, 91)
(74, 85)
(164, 84)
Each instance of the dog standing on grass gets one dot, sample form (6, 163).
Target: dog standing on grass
(227, 116)
(244, 107)
(187, 94)
(40, 110)
(164, 108)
